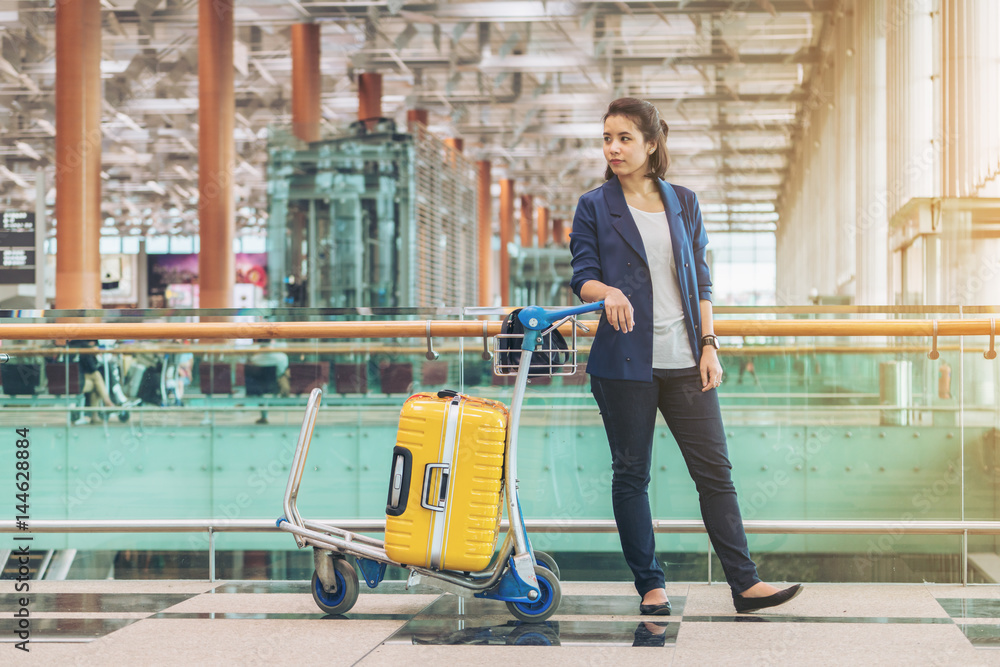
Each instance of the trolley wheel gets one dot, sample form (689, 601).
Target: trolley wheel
(534, 634)
(546, 605)
(549, 562)
(341, 600)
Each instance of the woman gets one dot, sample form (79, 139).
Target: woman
(639, 243)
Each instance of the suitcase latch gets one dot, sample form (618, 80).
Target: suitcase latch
(442, 493)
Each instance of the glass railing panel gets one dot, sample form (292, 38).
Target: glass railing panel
(980, 382)
(826, 442)
(871, 558)
(845, 428)
(263, 556)
(36, 447)
(130, 556)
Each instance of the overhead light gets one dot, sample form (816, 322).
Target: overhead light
(12, 176)
(127, 120)
(46, 126)
(264, 73)
(183, 171)
(250, 169)
(156, 187)
(27, 150)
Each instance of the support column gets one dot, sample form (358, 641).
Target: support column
(41, 232)
(78, 154)
(558, 235)
(967, 261)
(416, 116)
(485, 237)
(216, 112)
(306, 82)
(142, 279)
(526, 215)
(957, 55)
(369, 97)
(543, 226)
(455, 145)
(871, 230)
(506, 236)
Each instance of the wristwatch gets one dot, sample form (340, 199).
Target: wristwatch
(710, 339)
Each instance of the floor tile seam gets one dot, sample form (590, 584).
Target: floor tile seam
(274, 616)
(93, 615)
(394, 632)
(6, 613)
(577, 618)
(580, 618)
(54, 640)
(817, 620)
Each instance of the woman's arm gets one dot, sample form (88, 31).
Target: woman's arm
(617, 308)
(711, 369)
(707, 325)
(700, 244)
(588, 272)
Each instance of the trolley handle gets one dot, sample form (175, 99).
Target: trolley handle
(536, 318)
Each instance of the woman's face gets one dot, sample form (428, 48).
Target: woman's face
(624, 149)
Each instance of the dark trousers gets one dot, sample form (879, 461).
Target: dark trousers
(629, 412)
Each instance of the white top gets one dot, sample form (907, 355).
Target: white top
(671, 348)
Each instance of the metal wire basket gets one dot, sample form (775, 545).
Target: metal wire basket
(547, 359)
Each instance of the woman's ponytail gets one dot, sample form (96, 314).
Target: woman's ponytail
(659, 161)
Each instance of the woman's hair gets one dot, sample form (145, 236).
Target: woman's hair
(647, 119)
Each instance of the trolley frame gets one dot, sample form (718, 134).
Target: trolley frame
(510, 576)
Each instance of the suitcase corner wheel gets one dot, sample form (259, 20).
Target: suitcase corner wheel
(443, 508)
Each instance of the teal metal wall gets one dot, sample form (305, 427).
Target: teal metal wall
(161, 466)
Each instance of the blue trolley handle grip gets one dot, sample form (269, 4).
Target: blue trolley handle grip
(536, 318)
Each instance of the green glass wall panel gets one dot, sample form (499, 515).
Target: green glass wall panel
(812, 435)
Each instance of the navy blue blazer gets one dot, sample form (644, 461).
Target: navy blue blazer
(607, 247)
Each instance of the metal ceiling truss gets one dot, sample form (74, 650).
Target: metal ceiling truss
(524, 83)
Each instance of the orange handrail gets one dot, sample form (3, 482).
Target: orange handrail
(458, 329)
(376, 348)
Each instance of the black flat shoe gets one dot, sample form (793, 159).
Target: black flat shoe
(744, 605)
(655, 609)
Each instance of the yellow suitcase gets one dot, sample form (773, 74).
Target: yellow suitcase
(445, 486)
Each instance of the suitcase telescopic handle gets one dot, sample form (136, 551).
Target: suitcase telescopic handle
(442, 494)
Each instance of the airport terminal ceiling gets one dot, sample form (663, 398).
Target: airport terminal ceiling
(524, 84)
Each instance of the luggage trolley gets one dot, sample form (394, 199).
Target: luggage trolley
(527, 580)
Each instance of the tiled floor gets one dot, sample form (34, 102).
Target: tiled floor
(166, 623)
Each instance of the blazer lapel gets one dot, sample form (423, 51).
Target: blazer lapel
(621, 217)
(675, 219)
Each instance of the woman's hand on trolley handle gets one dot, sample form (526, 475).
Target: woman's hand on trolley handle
(617, 308)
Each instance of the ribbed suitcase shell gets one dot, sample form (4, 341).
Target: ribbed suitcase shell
(472, 509)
